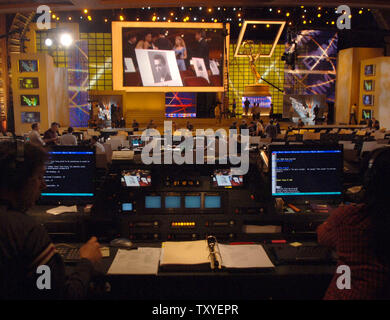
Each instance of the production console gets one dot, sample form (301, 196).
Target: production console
(189, 202)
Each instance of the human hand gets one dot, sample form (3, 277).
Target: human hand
(91, 250)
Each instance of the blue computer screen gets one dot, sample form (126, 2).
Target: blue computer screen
(152, 202)
(212, 202)
(192, 202)
(172, 202)
(127, 207)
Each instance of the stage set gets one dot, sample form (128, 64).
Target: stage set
(182, 71)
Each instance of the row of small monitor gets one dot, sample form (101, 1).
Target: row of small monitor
(193, 201)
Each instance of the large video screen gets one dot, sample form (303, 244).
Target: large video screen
(188, 57)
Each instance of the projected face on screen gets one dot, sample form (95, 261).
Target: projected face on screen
(159, 67)
(171, 56)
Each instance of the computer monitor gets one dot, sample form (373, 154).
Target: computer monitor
(306, 171)
(136, 178)
(70, 175)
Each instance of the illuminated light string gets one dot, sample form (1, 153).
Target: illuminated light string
(238, 15)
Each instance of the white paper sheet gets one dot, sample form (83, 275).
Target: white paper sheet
(141, 261)
(244, 256)
(61, 209)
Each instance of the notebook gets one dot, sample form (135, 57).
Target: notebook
(196, 255)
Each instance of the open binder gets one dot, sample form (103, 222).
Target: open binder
(206, 255)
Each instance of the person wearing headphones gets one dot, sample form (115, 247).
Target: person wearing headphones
(24, 243)
(359, 235)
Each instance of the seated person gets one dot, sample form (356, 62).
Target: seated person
(24, 243)
(99, 147)
(359, 235)
(50, 136)
(34, 135)
(68, 139)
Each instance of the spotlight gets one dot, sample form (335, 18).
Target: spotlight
(66, 39)
(48, 42)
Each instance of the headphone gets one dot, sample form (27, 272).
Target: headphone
(370, 166)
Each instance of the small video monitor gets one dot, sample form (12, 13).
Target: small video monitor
(127, 207)
(192, 202)
(369, 70)
(28, 83)
(136, 141)
(153, 202)
(28, 66)
(368, 100)
(172, 202)
(227, 178)
(306, 171)
(30, 117)
(368, 85)
(28, 100)
(212, 202)
(136, 178)
(366, 114)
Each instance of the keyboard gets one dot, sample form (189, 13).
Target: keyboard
(69, 254)
(287, 254)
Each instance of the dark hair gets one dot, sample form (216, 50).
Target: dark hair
(70, 130)
(130, 35)
(161, 58)
(14, 173)
(201, 32)
(34, 126)
(95, 138)
(54, 124)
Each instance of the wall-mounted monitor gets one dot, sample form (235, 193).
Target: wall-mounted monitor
(29, 100)
(368, 100)
(136, 178)
(31, 117)
(368, 85)
(369, 70)
(168, 56)
(366, 114)
(28, 83)
(28, 66)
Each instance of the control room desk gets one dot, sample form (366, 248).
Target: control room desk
(284, 282)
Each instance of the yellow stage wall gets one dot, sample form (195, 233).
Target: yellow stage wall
(348, 79)
(381, 91)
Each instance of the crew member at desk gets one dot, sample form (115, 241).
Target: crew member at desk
(24, 243)
(360, 236)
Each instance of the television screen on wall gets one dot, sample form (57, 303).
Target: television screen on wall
(368, 85)
(168, 57)
(366, 114)
(28, 83)
(369, 70)
(29, 100)
(28, 66)
(368, 100)
(31, 117)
